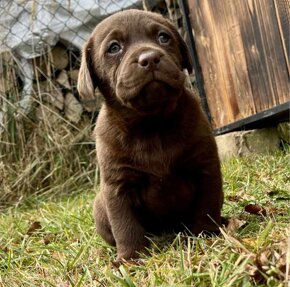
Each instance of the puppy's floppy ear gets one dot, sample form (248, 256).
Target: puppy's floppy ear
(87, 79)
(186, 57)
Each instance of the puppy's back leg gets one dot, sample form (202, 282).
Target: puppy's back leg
(102, 222)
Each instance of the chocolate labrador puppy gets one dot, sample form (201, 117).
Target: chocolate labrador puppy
(158, 159)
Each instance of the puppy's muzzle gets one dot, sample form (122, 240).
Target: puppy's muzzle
(149, 60)
(149, 79)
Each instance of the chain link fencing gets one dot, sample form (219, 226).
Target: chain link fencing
(40, 51)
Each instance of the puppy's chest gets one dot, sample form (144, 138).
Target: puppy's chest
(154, 155)
(168, 183)
(164, 196)
(154, 171)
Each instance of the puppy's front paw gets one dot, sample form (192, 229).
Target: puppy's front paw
(129, 256)
(133, 261)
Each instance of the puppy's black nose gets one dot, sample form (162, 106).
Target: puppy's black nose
(149, 60)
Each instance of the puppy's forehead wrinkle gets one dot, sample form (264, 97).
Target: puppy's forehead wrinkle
(115, 34)
(140, 23)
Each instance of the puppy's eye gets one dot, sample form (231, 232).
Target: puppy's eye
(114, 48)
(163, 38)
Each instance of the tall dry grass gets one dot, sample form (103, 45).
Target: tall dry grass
(40, 152)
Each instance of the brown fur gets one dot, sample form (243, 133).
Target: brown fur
(158, 158)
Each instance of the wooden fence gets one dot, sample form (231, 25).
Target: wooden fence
(242, 51)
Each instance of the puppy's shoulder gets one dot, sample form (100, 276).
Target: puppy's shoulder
(192, 108)
(109, 126)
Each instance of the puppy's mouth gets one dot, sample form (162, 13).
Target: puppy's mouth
(151, 92)
(155, 97)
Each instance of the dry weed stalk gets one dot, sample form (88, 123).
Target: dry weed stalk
(42, 151)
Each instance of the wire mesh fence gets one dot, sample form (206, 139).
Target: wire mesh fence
(40, 52)
(40, 43)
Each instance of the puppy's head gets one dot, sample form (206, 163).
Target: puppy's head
(136, 59)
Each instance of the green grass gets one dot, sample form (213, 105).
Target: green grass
(64, 250)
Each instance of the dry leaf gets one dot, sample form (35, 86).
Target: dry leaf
(242, 196)
(255, 209)
(234, 198)
(48, 238)
(279, 194)
(35, 226)
(252, 270)
(273, 259)
(4, 249)
(278, 211)
(234, 224)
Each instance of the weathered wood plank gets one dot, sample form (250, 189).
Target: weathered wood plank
(242, 58)
(282, 10)
(208, 53)
(225, 76)
(233, 59)
(274, 52)
(253, 52)
(243, 89)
